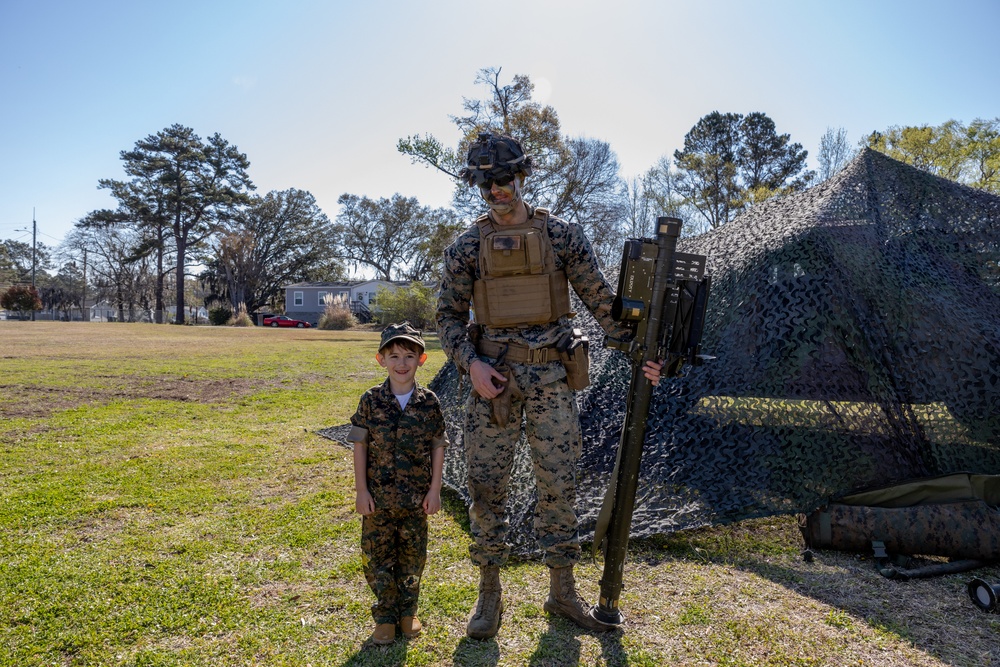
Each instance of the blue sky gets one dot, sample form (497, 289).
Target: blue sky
(318, 93)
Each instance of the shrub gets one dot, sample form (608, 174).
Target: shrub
(336, 313)
(219, 315)
(240, 318)
(414, 303)
(22, 298)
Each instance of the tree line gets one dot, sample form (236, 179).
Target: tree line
(188, 202)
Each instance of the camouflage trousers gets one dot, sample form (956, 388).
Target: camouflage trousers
(552, 427)
(394, 552)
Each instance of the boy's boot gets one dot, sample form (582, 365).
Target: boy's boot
(385, 633)
(484, 621)
(410, 626)
(565, 601)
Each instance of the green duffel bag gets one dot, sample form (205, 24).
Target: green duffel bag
(954, 516)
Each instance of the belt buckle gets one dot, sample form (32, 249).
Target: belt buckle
(540, 355)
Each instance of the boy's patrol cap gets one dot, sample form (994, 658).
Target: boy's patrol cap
(399, 331)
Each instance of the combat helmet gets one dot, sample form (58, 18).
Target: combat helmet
(493, 157)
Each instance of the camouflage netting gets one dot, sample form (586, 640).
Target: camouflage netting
(856, 330)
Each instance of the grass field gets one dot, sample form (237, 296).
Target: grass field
(165, 500)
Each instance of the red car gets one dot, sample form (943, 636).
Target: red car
(285, 321)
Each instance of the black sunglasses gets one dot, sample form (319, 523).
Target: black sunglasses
(500, 181)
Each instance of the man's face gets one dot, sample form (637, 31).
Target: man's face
(502, 192)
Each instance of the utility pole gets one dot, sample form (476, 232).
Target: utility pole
(34, 236)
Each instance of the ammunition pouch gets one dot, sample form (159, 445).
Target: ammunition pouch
(574, 353)
(502, 404)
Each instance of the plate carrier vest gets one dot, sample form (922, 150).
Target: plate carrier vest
(519, 283)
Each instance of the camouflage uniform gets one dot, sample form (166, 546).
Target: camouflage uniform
(394, 537)
(552, 417)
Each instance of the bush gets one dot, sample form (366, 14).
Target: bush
(415, 303)
(336, 314)
(240, 318)
(22, 298)
(219, 315)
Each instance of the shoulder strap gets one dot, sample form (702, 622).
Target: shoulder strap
(486, 226)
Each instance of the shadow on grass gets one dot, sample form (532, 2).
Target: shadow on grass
(373, 655)
(559, 645)
(933, 615)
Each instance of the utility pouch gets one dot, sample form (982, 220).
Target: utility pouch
(574, 352)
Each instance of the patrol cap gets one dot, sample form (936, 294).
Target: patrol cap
(494, 156)
(401, 331)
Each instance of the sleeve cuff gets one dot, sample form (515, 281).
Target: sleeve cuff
(439, 441)
(358, 434)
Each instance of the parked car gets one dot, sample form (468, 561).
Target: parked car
(285, 321)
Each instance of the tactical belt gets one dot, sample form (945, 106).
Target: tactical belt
(518, 354)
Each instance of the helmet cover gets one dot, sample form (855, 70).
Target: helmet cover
(491, 157)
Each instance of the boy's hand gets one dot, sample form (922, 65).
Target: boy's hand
(363, 503)
(432, 502)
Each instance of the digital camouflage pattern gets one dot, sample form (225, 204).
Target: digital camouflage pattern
(552, 428)
(399, 444)
(573, 255)
(394, 537)
(393, 556)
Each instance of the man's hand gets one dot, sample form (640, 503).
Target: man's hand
(485, 379)
(652, 371)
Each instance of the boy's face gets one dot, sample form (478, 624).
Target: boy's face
(402, 365)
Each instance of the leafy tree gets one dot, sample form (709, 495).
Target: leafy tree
(142, 205)
(834, 152)
(982, 151)
(730, 161)
(558, 182)
(707, 166)
(966, 154)
(21, 298)
(17, 260)
(194, 185)
(427, 262)
(280, 238)
(388, 235)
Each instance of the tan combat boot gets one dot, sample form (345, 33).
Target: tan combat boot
(565, 601)
(385, 633)
(484, 621)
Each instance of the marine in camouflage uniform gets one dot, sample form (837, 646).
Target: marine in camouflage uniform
(400, 443)
(537, 388)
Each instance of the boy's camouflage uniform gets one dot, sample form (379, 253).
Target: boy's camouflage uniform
(394, 537)
(553, 426)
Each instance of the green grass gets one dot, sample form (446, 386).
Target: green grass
(165, 500)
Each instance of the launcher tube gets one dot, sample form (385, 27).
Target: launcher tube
(634, 429)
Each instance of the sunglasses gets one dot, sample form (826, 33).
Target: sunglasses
(499, 181)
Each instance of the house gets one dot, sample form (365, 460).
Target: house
(305, 301)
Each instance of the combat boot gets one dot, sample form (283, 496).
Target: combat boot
(484, 621)
(565, 601)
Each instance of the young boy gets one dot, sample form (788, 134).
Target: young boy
(399, 440)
